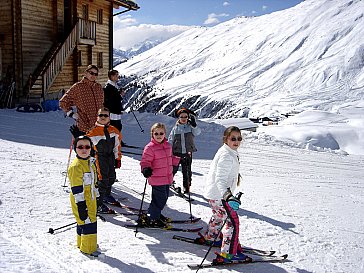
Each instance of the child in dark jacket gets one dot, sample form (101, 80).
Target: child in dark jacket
(183, 144)
(106, 139)
(157, 166)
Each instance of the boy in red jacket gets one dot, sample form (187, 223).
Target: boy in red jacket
(157, 165)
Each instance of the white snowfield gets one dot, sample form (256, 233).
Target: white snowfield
(305, 203)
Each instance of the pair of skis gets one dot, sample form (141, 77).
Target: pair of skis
(260, 259)
(169, 227)
(263, 256)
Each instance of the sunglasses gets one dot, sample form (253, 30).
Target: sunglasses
(103, 115)
(93, 73)
(81, 147)
(236, 139)
(159, 134)
(183, 117)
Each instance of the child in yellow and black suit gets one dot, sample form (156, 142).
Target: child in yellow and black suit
(106, 139)
(83, 176)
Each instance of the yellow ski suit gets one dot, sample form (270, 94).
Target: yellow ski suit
(83, 176)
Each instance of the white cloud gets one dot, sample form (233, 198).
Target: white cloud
(264, 7)
(213, 18)
(226, 4)
(129, 35)
(254, 12)
(123, 21)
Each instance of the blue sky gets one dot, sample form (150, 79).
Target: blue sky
(161, 19)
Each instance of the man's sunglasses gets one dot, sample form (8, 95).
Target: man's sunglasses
(183, 117)
(159, 134)
(93, 73)
(81, 147)
(103, 115)
(236, 139)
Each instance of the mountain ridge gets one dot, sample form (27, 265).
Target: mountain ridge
(261, 63)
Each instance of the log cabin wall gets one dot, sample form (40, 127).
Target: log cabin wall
(29, 29)
(6, 44)
(92, 55)
(38, 33)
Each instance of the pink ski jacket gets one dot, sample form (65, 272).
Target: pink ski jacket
(158, 156)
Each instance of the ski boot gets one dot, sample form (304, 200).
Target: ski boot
(225, 258)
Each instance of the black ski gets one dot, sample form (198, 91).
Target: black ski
(261, 259)
(186, 221)
(248, 250)
(177, 191)
(168, 228)
(134, 213)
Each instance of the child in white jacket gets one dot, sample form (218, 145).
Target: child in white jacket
(221, 182)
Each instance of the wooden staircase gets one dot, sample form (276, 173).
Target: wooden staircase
(49, 68)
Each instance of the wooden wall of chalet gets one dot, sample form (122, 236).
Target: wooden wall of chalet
(5, 37)
(38, 33)
(89, 55)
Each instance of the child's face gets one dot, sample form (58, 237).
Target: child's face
(183, 118)
(83, 148)
(158, 135)
(103, 117)
(234, 140)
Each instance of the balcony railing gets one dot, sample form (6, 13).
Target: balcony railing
(86, 32)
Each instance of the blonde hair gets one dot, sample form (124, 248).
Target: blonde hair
(228, 132)
(157, 125)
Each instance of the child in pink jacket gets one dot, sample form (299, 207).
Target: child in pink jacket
(157, 165)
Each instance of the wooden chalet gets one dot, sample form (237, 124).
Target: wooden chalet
(45, 45)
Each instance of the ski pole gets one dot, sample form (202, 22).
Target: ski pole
(189, 201)
(189, 174)
(68, 163)
(141, 206)
(217, 235)
(52, 230)
(141, 129)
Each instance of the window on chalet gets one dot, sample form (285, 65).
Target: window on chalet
(100, 60)
(100, 16)
(79, 58)
(85, 11)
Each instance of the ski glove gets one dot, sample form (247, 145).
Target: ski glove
(192, 121)
(75, 131)
(72, 114)
(147, 172)
(233, 202)
(117, 163)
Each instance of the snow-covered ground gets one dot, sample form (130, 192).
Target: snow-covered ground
(306, 203)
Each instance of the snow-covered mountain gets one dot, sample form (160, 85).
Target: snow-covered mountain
(310, 56)
(121, 55)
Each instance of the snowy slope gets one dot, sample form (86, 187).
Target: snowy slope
(306, 57)
(297, 201)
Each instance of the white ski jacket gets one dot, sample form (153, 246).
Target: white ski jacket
(223, 173)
